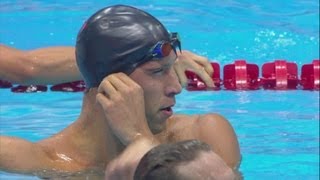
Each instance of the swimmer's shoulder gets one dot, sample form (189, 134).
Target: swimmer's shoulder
(188, 120)
(211, 128)
(183, 126)
(178, 121)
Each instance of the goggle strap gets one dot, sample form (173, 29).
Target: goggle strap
(179, 45)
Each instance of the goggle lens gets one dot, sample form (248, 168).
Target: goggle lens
(160, 50)
(163, 48)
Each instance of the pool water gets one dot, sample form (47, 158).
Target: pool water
(278, 131)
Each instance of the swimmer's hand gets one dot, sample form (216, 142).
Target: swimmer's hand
(198, 64)
(123, 103)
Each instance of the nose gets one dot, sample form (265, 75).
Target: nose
(173, 85)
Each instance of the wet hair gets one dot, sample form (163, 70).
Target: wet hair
(114, 39)
(160, 162)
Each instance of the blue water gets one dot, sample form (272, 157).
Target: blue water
(278, 131)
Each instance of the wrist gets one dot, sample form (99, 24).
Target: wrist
(144, 140)
(140, 146)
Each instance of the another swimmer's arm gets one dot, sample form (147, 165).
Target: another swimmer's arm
(21, 156)
(52, 65)
(198, 64)
(18, 155)
(124, 166)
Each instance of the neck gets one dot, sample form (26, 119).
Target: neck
(95, 132)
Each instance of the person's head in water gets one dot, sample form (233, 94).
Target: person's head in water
(118, 39)
(185, 160)
(128, 40)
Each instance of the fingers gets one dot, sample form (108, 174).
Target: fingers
(103, 101)
(106, 86)
(122, 100)
(202, 73)
(181, 75)
(204, 62)
(199, 65)
(206, 65)
(114, 83)
(110, 89)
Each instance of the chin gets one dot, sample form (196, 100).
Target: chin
(158, 128)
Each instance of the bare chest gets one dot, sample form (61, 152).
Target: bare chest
(180, 129)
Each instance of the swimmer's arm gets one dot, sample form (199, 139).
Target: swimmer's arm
(124, 166)
(218, 132)
(18, 155)
(52, 65)
(21, 156)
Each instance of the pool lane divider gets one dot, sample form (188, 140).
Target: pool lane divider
(277, 75)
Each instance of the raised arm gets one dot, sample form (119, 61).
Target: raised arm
(52, 65)
(118, 91)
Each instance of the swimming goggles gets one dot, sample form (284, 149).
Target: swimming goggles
(163, 48)
(160, 50)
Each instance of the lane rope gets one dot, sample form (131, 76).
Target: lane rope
(276, 75)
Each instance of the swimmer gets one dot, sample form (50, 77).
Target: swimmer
(190, 159)
(126, 58)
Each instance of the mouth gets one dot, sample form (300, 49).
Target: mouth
(167, 110)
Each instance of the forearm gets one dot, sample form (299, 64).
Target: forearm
(18, 155)
(53, 65)
(50, 65)
(124, 166)
(139, 147)
(11, 68)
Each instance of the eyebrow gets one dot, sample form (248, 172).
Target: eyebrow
(162, 66)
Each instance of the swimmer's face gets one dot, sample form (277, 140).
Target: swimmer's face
(160, 85)
(207, 165)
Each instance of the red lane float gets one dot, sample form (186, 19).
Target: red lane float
(279, 74)
(5, 84)
(241, 75)
(29, 89)
(76, 86)
(310, 75)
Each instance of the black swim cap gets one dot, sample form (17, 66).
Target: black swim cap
(115, 38)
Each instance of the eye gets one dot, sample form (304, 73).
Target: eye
(158, 71)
